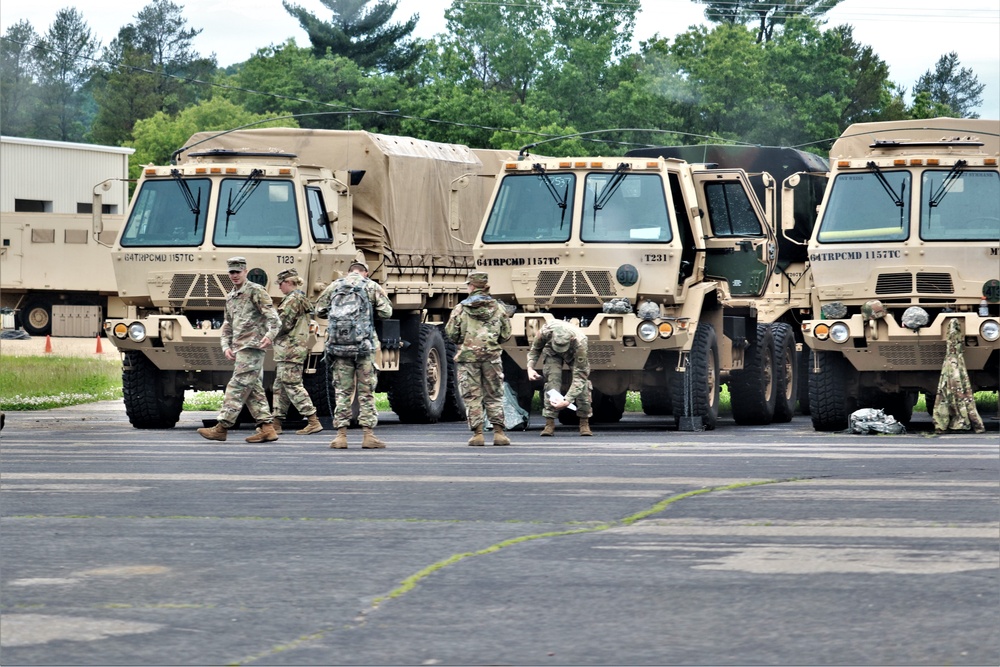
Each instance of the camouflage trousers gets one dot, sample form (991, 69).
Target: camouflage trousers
(348, 375)
(552, 370)
(481, 384)
(245, 387)
(288, 390)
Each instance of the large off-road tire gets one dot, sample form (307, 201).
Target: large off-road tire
(830, 400)
(752, 390)
(899, 405)
(656, 401)
(420, 388)
(454, 404)
(36, 316)
(317, 385)
(518, 380)
(607, 409)
(786, 372)
(700, 381)
(146, 401)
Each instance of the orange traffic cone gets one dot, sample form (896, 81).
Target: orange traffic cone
(48, 345)
(98, 350)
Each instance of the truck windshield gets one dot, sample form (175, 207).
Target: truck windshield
(163, 215)
(260, 213)
(532, 208)
(625, 208)
(960, 206)
(873, 206)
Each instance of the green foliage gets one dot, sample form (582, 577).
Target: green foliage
(949, 87)
(41, 383)
(63, 55)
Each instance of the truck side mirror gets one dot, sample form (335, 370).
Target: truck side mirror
(460, 183)
(97, 205)
(788, 208)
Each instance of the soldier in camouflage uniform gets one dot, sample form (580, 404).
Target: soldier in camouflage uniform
(955, 404)
(290, 352)
(251, 323)
(478, 325)
(557, 344)
(346, 373)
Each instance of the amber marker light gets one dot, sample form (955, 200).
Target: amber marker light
(666, 330)
(821, 331)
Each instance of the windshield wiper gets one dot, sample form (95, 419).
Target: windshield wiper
(896, 199)
(946, 184)
(242, 195)
(560, 200)
(193, 204)
(609, 189)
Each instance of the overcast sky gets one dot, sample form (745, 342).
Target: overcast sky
(909, 35)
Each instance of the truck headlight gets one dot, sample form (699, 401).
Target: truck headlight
(137, 332)
(989, 330)
(839, 333)
(647, 331)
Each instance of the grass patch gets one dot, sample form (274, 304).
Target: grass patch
(41, 383)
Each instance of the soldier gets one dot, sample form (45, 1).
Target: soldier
(353, 363)
(955, 403)
(290, 352)
(250, 324)
(478, 325)
(557, 344)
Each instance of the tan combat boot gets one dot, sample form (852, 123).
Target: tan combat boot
(498, 435)
(477, 439)
(340, 442)
(550, 427)
(265, 433)
(276, 423)
(585, 426)
(370, 441)
(312, 426)
(217, 432)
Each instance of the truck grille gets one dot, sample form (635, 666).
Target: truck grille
(934, 283)
(200, 357)
(204, 290)
(902, 283)
(569, 288)
(913, 356)
(894, 283)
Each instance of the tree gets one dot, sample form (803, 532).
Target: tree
(64, 58)
(953, 86)
(362, 35)
(125, 91)
(18, 71)
(766, 14)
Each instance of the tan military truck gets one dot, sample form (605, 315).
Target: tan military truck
(673, 269)
(908, 238)
(313, 200)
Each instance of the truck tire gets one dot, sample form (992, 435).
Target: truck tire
(419, 391)
(454, 404)
(830, 401)
(786, 372)
(36, 317)
(518, 380)
(656, 401)
(317, 385)
(701, 379)
(146, 403)
(753, 390)
(607, 409)
(899, 405)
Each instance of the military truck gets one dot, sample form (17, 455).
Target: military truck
(313, 200)
(908, 238)
(674, 269)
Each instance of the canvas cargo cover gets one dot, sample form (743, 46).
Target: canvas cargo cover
(401, 206)
(857, 139)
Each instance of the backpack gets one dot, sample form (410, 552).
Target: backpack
(350, 329)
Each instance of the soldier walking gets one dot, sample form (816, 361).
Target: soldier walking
(478, 325)
(290, 352)
(561, 344)
(351, 304)
(250, 324)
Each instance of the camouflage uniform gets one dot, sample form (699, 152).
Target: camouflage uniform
(560, 343)
(250, 316)
(478, 325)
(955, 404)
(290, 352)
(346, 372)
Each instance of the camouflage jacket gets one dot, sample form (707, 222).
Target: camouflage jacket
(291, 341)
(376, 296)
(576, 357)
(478, 325)
(250, 315)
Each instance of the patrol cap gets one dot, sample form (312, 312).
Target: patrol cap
(478, 278)
(237, 263)
(285, 275)
(561, 339)
(359, 262)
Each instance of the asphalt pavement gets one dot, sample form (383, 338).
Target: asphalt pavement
(640, 546)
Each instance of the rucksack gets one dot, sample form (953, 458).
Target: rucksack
(350, 329)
